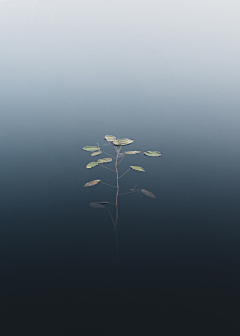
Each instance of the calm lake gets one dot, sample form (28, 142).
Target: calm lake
(165, 74)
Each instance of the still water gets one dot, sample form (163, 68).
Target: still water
(165, 74)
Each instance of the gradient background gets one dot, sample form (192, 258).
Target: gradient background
(167, 74)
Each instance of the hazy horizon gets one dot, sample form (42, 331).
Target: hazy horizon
(166, 74)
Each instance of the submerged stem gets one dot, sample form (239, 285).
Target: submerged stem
(115, 223)
(111, 217)
(116, 163)
(116, 238)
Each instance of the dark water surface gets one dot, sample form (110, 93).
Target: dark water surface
(166, 76)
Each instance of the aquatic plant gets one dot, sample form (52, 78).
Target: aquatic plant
(118, 144)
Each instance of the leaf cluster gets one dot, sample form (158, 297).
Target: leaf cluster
(95, 150)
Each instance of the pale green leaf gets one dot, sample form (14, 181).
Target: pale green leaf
(133, 152)
(137, 168)
(91, 148)
(152, 153)
(91, 183)
(122, 142)
(96, 153)
(110, 138)
(105, 160)
(91, 164)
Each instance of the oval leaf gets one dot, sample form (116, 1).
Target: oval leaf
(91, 183)
(96, 205)
(137, 168)
(110, 138)
(96, 153)
(152, 153)
(133, 152)
(91, 148)
(122, 142)
(148, 193)
(105, 160)
(91, 164)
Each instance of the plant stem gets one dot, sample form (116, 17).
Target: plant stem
(117, 248)
(116, 163)
(129, 192)
(121, 159)
(106, 167)
(111, 216)
(107, 153)
(115, 223)
(124, 173)
(108, 184)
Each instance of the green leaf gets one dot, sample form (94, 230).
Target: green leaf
(148, 193)
(91, 148)
(96, 205)
(152, 153)
(105, 160)
(91, 164)
(133, 152)
(110, 138)
(96, 153)
(137, 168)
(122, 142)
(91, 183)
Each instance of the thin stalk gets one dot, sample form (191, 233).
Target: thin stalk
(106, 167)
(107, 153)
(117, 149)
(111, 216)
(116, 163)
(116, 218)
(108, 184)
(117, 247)
(121, 159)
(129, 192)
(124, 173)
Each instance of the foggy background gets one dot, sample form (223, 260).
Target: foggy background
(166, 74)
